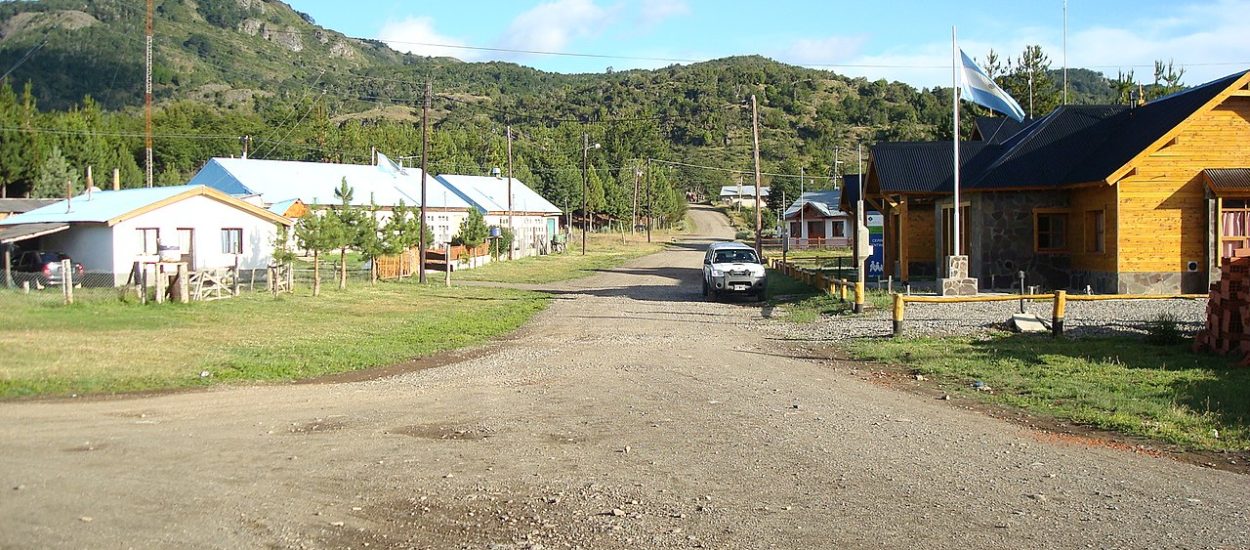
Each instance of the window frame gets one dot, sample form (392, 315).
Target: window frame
(238, 249)
(143, 240)
(1056, 213)
(1099, 234)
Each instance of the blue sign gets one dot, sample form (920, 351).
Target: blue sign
(876, 262)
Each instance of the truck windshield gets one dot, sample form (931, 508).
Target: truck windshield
(736, 257)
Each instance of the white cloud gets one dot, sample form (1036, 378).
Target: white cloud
(551, 26)
(416, 35)
(654, 12)
(1207, 40)
(822, 51)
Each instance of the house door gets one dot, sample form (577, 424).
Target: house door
(186, 245)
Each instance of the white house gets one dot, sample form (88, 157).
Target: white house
(814, 219)
(741, 195)
(107, 231)
(276, 183)
(533, 219)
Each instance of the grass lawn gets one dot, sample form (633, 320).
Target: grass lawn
(111, 346)
(603, 251)
(806, 304)
(1116, 383)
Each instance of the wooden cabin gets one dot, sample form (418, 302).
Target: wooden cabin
(1116, 199)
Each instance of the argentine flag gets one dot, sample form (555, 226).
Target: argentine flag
(980, 89)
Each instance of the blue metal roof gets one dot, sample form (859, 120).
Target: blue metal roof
(826, 202)
(314, 183)
(101, 207)
(490, 194)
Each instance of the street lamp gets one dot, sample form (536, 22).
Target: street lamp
(586, 147)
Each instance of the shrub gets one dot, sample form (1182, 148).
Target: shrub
(1164, 330)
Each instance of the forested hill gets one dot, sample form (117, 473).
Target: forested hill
(228, 68)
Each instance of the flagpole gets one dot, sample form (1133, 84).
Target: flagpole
(955, 83)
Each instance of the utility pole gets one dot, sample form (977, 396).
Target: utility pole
(425, 174)
(1065, 52)
(755, 136)
(637, 177)
(650, 212)
(802, 208)
(246, 141)
(585, 150)
(511, 227)
(147, 97)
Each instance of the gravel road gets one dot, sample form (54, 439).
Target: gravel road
(631, 414)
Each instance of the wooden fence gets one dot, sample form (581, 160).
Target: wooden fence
(405, 264)
(842, 288)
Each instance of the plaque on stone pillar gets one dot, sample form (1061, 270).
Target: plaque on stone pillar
(957, 282)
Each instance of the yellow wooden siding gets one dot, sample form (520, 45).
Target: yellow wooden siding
(921, 242)
(1162, 205)
(1084, 200)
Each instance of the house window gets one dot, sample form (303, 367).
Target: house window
(1234, 226)
(232, 241)
(1051, 231)
(148, 237)
(1095, 231)
(839, 229)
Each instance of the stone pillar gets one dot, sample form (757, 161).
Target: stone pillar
(957, 282)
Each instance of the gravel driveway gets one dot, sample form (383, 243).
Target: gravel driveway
(631, 414)
(1098, 318)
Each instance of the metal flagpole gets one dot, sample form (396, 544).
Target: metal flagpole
(955, 64)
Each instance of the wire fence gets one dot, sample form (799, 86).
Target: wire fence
(205, 285)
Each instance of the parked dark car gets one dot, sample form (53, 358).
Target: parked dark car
(42, 268)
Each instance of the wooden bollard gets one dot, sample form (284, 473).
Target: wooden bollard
(859, 297)
(831, 286)
(1061, 305)
(842, 290)
(899, 305)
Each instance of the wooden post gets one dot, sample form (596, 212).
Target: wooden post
(447, 257)
(161, 283)
(237, 274)
(899, 305)
(1061, 305)
(67, 281)
(184, 283)
(8, 263)
(859, 296)
(273, 280)
(843, 290)
(143, 283)
(830, 285)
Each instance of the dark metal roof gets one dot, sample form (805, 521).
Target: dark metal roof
(1228, 179)
(1047, 150)
(21, 232)
(17, 206)
(997, 129)
(1072, 145)
(926, 167)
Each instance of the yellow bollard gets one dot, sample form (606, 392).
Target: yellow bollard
(859, 297)
(1061, 304)
(899, 304)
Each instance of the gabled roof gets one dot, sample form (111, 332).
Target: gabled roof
(825, 202)
(315, 183)
(1072, 145)
(112, 207)
(1048, 150)
(490, 194)
(924, 167)
(997, 129)
(742, 191)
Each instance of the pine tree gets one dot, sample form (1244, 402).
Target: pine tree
(53, 177)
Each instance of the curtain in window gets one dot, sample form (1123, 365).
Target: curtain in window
(1233, 224)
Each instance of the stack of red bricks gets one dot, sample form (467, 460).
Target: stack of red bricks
(1228, 310)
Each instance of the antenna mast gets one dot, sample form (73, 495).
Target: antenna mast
(147, 99)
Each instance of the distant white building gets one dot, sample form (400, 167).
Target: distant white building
(741, 195)
(276, 183)
(533, 219)
(108, 231)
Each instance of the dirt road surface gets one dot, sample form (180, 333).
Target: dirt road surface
(631, 414)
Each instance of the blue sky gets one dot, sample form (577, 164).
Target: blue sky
(892, 39)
